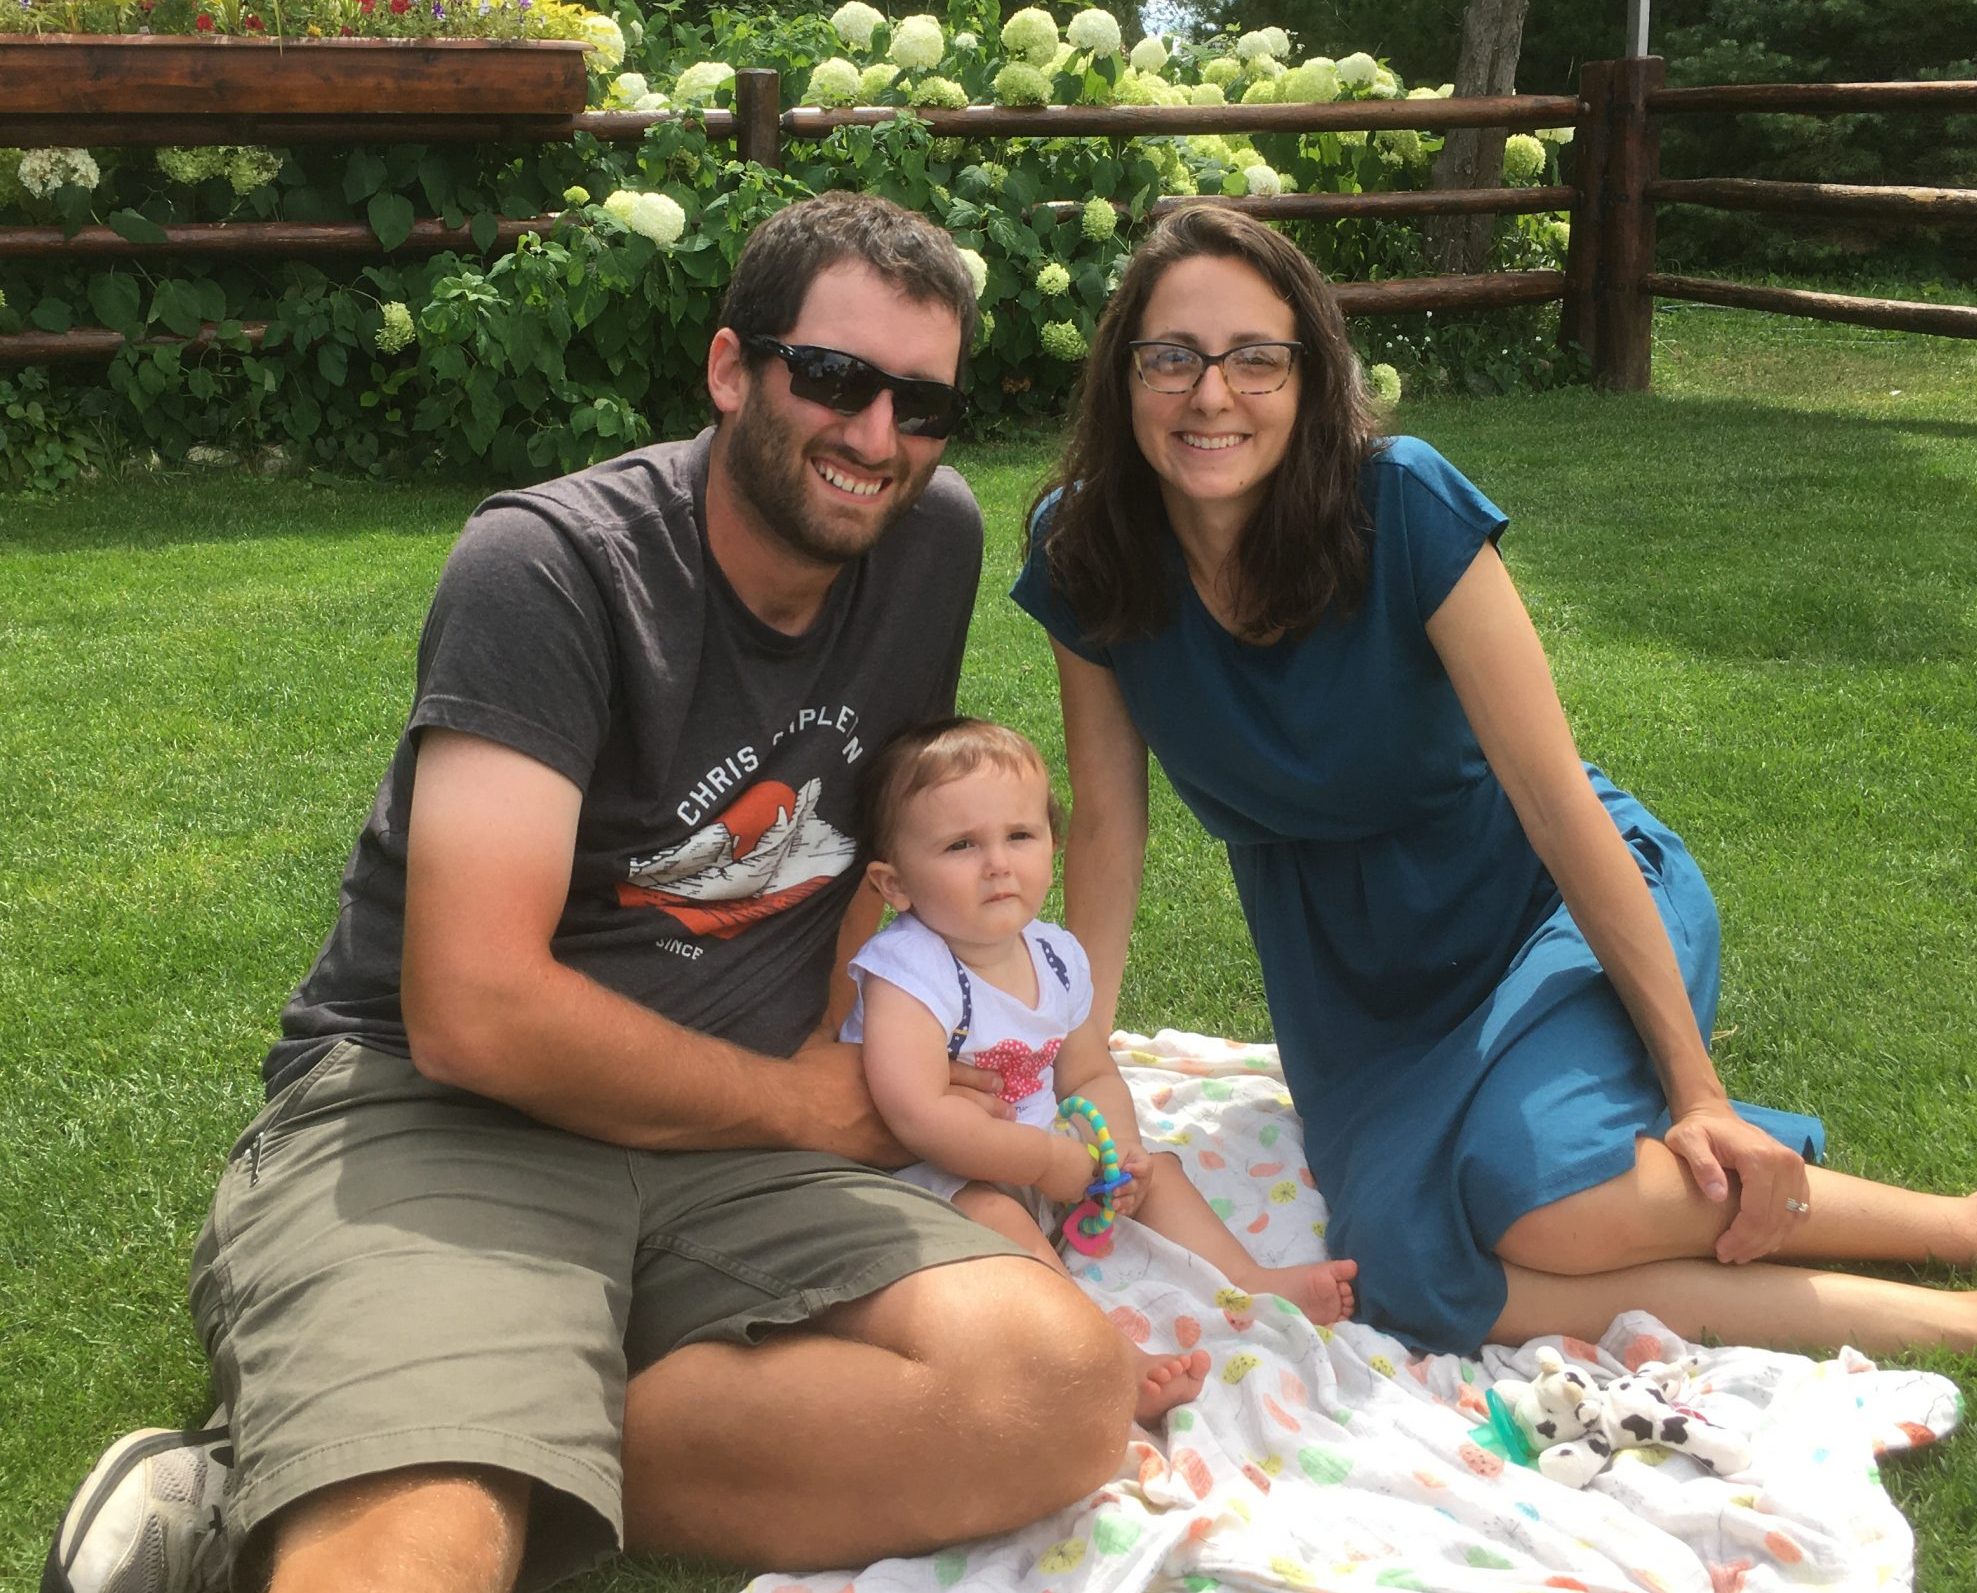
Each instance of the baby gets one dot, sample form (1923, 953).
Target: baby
(961, 827)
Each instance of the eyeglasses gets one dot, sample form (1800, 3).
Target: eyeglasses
(1250, 368)
(847, 384)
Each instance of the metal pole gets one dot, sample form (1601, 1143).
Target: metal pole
(1637, 26)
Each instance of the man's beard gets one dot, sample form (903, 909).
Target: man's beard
(770, 472)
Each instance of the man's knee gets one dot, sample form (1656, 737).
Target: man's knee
(1047, 1361)
(424, 1529)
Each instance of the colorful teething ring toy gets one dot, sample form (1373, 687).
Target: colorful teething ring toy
(1088, 1229)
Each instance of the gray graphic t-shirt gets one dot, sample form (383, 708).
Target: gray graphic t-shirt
(584, 623)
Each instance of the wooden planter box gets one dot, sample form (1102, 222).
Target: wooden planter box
(71, 74)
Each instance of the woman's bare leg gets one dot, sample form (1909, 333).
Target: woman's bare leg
(1655, 1212)
(1760, 1303)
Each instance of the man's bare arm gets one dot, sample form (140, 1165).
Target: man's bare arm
(489, 1009)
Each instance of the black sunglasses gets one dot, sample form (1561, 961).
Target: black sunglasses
(847, 384)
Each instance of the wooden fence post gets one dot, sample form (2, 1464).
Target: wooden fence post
(1623, 361)
(758, 116)
(1578, 322)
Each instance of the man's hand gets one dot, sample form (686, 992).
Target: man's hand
(848, 1121)
(979, 1087)
(1070, 1172)
(1774, 1195)
(1130, 1197)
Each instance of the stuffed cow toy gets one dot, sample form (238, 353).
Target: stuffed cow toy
(1576, 1425)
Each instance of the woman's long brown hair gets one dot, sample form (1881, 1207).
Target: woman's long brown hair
(1305, 552)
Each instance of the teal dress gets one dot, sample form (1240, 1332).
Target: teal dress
(1452, 1045)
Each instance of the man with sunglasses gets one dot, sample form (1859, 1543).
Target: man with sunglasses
(553, 1236)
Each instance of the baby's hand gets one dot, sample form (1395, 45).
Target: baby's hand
(1070, 1172)
(1128, 1198)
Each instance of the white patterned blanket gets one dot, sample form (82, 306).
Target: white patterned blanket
(1332, 1459)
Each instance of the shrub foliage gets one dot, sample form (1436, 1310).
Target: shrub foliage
(589, 334)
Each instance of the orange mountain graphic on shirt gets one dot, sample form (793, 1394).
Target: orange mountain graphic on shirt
(762, 855)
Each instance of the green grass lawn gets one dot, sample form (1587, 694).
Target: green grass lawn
(1758, 584)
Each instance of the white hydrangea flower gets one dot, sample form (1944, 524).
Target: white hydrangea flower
(659, 217)
(1094, 30)
(1268, 68)
(702, 81)
(42, 171)
(1399, 147)
(875, 80)
(1207, 94)
(1277, 42)
(943, 93)
(1261, 92)
(918, 43)
(1384, 381)
(1422, 93)
(1262, 180)
(856, 22)
(1358, 70)
(1019, 83)
(190, 165)
(1558, 136)
(627, 88)
(1557, 236)
(1149, 55)
(1031, 35)
(1063, 341)
(652, 101)
(966, 43)
(1385, 85)
(1138, 88)
(1316, 82)
(397, 332)
(654, 215)
(1098, 221)
(606, 40)
(576, 194)
(251, 167)
(1221, 71)
(1053, 278)
(832, 82)
(1523, 158)
(977, 269)
(1252, 47)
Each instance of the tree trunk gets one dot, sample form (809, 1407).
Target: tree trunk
(1472, 157)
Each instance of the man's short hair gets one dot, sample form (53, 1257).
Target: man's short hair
(796, 245)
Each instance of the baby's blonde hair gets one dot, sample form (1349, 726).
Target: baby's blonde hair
(924, 756)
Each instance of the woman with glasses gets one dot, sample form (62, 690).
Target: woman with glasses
(1491, 973)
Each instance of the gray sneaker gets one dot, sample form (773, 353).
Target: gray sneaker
(147, 1518)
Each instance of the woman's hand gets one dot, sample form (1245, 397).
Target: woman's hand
(1774, 1195)
(1130, 1197)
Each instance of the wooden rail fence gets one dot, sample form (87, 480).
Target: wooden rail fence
(1608, 286)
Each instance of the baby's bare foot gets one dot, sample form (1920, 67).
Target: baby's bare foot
(1322, 1291)
(1167, 1381)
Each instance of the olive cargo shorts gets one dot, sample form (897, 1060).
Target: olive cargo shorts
(399, 1273)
